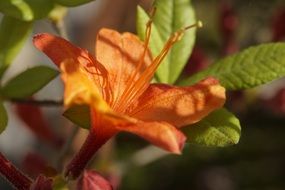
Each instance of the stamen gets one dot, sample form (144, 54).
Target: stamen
(130, 83)
(198, 24)
(175, 37)
(146, 42)
(139, 86)
(181, 31)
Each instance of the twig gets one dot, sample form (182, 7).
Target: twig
(38, 102)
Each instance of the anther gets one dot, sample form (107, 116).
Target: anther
(179, 33)
(198, 24)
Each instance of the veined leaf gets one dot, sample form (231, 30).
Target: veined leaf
(28, 82)
(247, 69)
(80, 115)
(26, 10)
(220, 128)
(13, 34)
(3, 117)
(171, 15)
(72, 3)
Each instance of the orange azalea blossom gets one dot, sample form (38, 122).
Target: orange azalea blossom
(116, 86)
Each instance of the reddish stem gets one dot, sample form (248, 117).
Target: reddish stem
(13, 175)
(86, 152)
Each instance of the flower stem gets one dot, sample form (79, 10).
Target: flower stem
(85, 154)
(13, 175)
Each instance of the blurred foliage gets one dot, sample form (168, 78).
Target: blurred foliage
(26, 10)
(13, 34)
(257, 162)
(28, 82)
(3, 117)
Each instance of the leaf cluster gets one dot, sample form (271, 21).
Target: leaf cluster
(15, 28)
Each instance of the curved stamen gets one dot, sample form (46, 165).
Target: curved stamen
(141, 84)
(130, 82)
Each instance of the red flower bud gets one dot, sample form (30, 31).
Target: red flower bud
(42, 183)
(92, 180)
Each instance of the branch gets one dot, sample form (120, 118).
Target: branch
(13, 175)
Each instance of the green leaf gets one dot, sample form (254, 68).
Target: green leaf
(13, 34)
(220, 128)
(59, 183)
(28, 82)
(26, 10)
(80, 115)
(72, 3)
(171, 15)
(247, 69)
(3, 118)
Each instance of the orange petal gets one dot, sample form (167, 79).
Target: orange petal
(82, 75)
(60, 50)
(121, 55)
(160, 134)
(178, 106)
(79, 89)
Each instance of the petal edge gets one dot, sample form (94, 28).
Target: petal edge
(178, 106)
(160, 134)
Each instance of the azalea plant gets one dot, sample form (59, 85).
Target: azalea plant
(135, 83)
